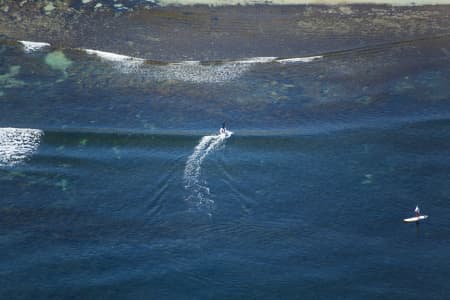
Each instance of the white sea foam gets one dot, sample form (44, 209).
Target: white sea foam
(198, 190)
(256, 60)
(196, 72)
(190, 70)
(124, 63)
(33, 46)
(110, 56)
(186, 62)
(298, 59)
(17, 144)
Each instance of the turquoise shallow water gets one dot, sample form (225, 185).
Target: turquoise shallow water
(123, 189)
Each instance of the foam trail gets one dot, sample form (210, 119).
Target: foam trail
(33, 46)
(17, 144)
(198, 190)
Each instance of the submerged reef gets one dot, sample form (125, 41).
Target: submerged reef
(58, 61)
(285, 61)
(8, 80)
(143, 29)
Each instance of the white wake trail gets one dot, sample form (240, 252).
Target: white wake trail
(198, 190)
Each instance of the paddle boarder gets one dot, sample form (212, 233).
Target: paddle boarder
(417, 216)
(223, 130)
(417, 211)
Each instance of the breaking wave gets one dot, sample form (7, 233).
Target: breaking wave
(190, 71)
(17, 144)
(33, 46)
(123, 63)
(186, 71)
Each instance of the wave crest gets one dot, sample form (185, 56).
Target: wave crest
(17, 144)
(33, 46)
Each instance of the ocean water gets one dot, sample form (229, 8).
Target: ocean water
(115, 183)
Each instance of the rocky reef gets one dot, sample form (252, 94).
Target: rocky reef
(144, 29)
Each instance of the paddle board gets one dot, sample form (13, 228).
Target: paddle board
(415, 219)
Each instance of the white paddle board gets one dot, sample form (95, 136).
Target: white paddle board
(415, 219)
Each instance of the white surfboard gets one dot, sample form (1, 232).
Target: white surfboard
(415, 219)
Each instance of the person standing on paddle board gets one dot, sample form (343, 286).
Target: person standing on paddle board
(417, 211)
(418, 216)
(223, 130)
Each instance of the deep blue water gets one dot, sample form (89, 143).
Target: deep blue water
(129, 193)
